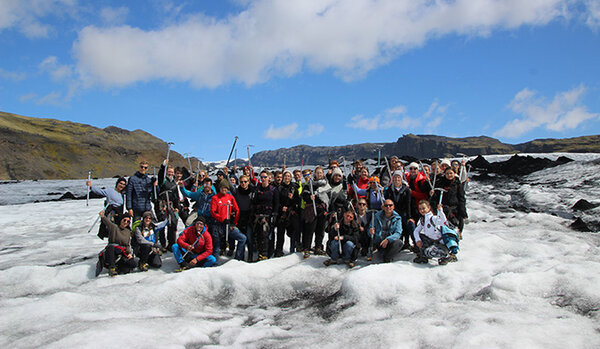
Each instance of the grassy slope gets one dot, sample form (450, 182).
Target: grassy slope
(34, 148)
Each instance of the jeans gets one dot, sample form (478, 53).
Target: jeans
(178, 253)
(218, 232)
(347, 248)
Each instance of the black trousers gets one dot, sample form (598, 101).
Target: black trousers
(315, 227)
(147, 255)
(110, 256)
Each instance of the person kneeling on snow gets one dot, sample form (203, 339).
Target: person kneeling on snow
(428, 235)
(194, 247)
(144, 243)
(387, 231)
(346, 234)
(119, 237)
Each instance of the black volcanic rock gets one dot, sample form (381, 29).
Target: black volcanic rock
(521, 165)
(584, 205)
(66, 196)
(580, 225)
(480, 164)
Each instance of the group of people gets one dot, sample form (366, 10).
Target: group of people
(418, 207)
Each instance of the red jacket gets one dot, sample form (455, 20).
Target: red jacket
(419, 186)
(218, 208)
(203, 247)
(362, 183)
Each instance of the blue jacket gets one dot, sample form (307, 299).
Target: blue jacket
(139, 192)
(202, 200)
(395, 228)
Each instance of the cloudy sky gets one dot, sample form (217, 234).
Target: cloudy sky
(278, 73)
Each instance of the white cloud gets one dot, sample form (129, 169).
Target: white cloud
(292, 131)
(592, 14)
(27, 16)
(281, 38)
(396, 118)
(5, 74)
(114, 15)
(563, 113)
(56, 70)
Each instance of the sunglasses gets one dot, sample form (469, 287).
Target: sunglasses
(263, 177)
(413, 168)
(244, 181)
(126, 220)
(144, 167)
(362, 204)
(388, 205)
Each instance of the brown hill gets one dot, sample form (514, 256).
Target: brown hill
(34, 148)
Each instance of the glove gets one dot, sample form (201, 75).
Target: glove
(153, 179)
(156, 245)
(226, 221)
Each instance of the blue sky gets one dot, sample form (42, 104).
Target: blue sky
(282, 73)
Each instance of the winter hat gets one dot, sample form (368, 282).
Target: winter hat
(337, 171)
(147, 214)
(200, 219)
(445, 162)
(398, 173)
(122, 216)
(374, 179)
(220, 172)
(413, 164)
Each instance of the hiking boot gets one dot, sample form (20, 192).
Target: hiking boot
(421, 260)
(329, 262)
(306, 254)
(262, 258)
(112, 272)
(278, 254)
(350, 264)
(415, 249)
(364, 251)
(387, 260)
(319, 251)
(230, 253)
(182, 266)
(143, 267)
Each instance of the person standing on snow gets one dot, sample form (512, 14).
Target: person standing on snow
(114, 202)
(226, 213)
(139, 192)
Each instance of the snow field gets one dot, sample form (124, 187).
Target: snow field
(523, 280)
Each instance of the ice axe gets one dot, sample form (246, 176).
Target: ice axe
(229, 204)
(169, 144)
(231, 152)
(189, 161)
(87, 199)
(442, 191)
(248, 148)
(97, 218)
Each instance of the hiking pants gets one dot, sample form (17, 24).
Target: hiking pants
(110, 257)
(178, 253)
(392, 248)
(147, 255)
(218, 234)
(347, 249)
(432, 248)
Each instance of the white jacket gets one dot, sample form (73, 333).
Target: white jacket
(430, 226)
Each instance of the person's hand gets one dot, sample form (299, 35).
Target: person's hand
(362, 228)
(336, 226)
(419, 244)
(131, 213)
(290, 195)
(129, 256)
(312, 197)
(411, 221)
(284, 209)
(372, 231)
(88, 183)
(440, 206)
(431, 192)
(384, 243)
(193, 262)
(180, 183)
(102, 213)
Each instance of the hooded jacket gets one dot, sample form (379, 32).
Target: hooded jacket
(139, 192)
(203, 247)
